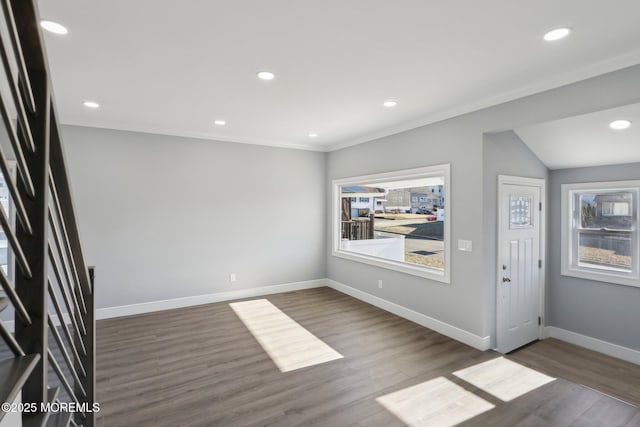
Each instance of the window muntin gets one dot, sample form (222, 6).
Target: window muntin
(602, 231)
(520, 212)
(379, 240)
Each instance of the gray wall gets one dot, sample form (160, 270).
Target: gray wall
(467, 302)
(166, 217)
(460, 303)
(503, 153)
(601, 310)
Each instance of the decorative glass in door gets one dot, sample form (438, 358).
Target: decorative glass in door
(520, 212)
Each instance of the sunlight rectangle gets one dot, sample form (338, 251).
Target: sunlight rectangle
(289, 345)
(435, 403)
(503, 378)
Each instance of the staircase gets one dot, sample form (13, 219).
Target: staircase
(48, 356)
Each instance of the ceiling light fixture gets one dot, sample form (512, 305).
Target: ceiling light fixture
(557, 34)
(54, 27)
(266, 75)
(219, 122)
(390, 103)
(313, 135)
(90, 104)
(620, 124)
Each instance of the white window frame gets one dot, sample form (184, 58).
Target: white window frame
(569, 262)
(440, 275)
(11, 214)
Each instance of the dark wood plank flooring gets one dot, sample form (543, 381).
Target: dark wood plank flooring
(200, 366)
(606, 374)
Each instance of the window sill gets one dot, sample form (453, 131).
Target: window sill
(601, 276)
(403, 267)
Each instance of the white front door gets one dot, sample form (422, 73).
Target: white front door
(519, 273)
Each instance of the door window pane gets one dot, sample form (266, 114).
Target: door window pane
(520, 215)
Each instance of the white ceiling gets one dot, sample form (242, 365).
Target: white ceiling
(173, 67)
(586, 140)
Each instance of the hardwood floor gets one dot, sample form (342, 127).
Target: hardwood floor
(611, 376)
(200, 366)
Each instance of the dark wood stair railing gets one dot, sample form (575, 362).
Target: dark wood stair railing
(48, 266)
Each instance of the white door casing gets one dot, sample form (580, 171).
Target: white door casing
(520, 276)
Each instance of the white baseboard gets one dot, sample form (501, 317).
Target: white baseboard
(148, 307)
(481, 343)
(610, 349)
(11, 324)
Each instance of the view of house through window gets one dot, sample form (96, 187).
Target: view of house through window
(398, 219)
(606, 227)
(604, 232)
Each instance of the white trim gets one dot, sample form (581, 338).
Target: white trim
(481, 343)
(465, 337)
(148, 307)
(575, 76)
(208, 136)
(404, 267)
(604, 347)
(540, 183)
(567, 265)
(10, 325)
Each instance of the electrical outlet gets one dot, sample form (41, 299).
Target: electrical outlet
(465, 245)
(232, 277)
(380, 284)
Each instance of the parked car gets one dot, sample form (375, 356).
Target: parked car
(424, 210)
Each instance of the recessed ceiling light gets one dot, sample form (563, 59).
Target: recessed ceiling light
(312, 135)
(219, 122)
(620, 124)
(557, 34)
(266, 75)
(390, 103)
(90, 104)
(54, 27)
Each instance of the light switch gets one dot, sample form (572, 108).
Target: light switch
(465, 245)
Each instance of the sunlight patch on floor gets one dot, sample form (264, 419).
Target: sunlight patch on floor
(503, 378)
(434, 403)
(289, 345)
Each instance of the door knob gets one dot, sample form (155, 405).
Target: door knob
(506, 280)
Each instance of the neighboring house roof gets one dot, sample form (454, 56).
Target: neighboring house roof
(352, 190)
